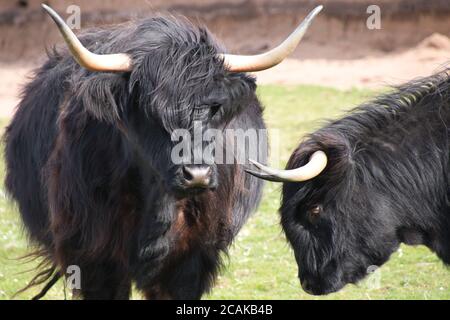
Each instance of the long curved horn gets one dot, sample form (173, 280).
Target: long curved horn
(316, 164)
(85, 58)
(273, 57)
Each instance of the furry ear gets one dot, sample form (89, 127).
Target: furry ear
(104, 96)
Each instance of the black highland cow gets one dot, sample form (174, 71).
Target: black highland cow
(88, 157)
(357, 188)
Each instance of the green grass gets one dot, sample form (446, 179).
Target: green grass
(261, 264)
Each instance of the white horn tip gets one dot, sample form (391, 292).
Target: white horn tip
(314, 13)
(318, 9)
(46, 8)
(54, 15)
(256, 163)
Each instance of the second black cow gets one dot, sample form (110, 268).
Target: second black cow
(358, 187)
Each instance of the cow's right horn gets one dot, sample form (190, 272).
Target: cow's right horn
(316, 164)
(266, 60)
(89, 60)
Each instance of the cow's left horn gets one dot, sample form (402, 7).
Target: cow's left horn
(316, 164)
(273, 57)
(87, 59)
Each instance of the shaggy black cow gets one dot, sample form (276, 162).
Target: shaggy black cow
(89, 157)
(357, 188)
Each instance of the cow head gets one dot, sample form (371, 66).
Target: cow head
(349, 200)
(335, 225)
(354, 190)
(171, 75)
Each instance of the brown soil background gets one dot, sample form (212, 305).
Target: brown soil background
(337, 51)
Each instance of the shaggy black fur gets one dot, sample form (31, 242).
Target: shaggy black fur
(88, 162)
(386, 182)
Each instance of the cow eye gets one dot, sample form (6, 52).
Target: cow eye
(215, 106)
(314, 214)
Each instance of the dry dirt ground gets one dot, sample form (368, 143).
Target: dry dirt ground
(374, 71)
(429, 56)
(338, 50)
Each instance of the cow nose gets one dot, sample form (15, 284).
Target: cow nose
(306, 287)
(309, 288)
(197, 176)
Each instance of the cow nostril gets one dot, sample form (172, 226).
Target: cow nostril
(187, 174)
(197, 176)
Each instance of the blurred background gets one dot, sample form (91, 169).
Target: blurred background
(340, 63)
(338, 50)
